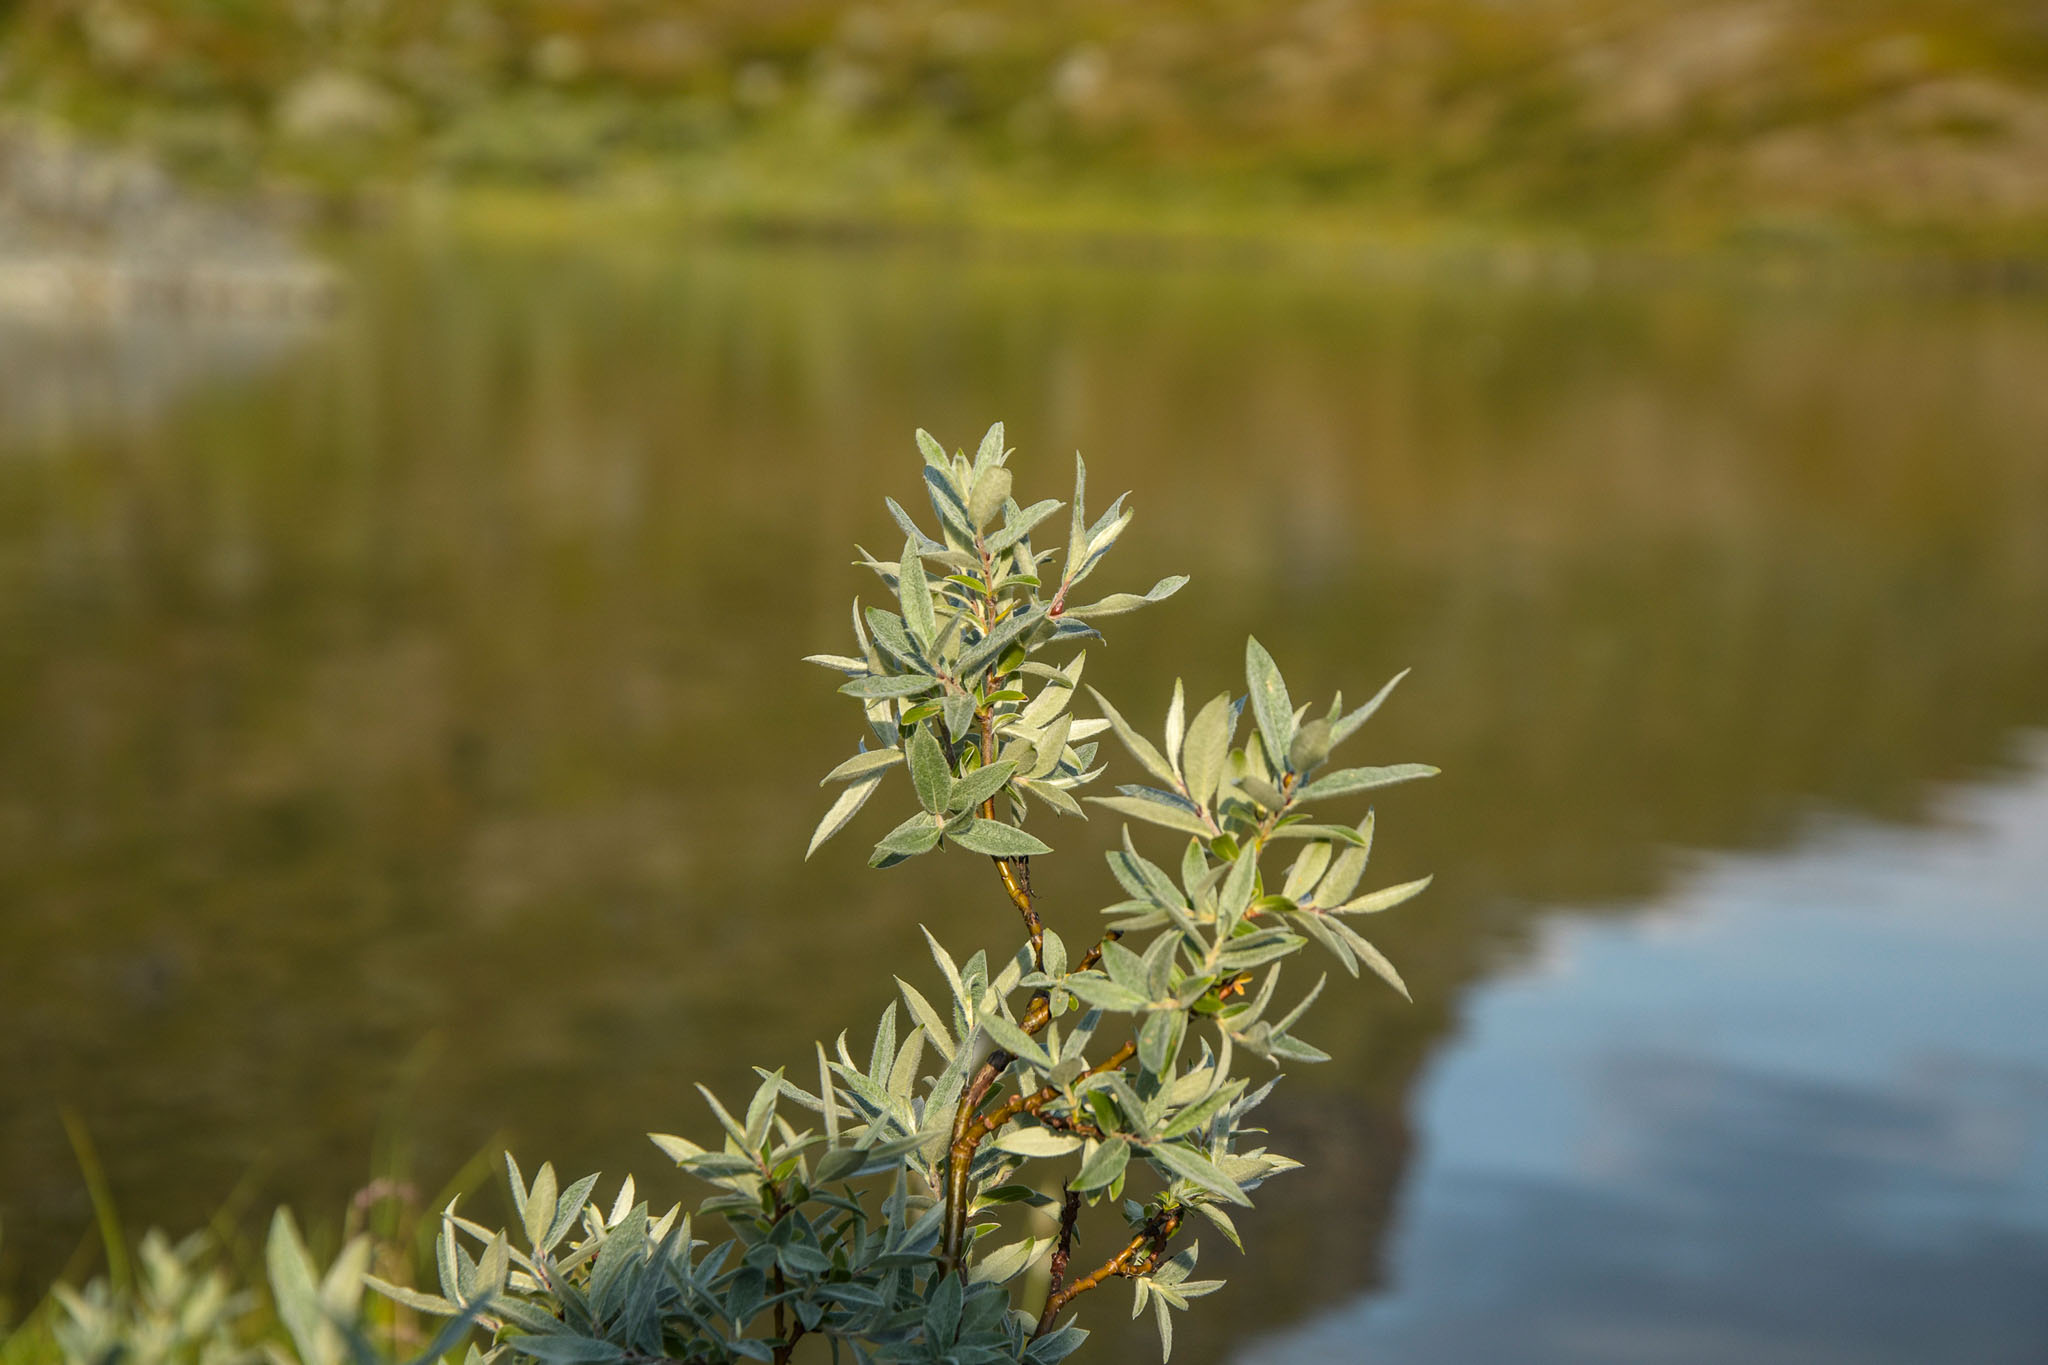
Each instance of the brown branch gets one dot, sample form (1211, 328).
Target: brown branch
(969, 1133)
(1138, 1258)
(1070, 1217)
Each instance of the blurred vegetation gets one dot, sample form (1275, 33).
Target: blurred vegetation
(1718, 122)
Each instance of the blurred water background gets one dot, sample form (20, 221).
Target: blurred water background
(405, 555)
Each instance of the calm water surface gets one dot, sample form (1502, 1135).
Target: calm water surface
(403, 748)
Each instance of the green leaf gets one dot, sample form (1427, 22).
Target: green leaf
(1310, 747)
(1158, 812)
(991, 491)
(990, 452)
(983, 652)
(861, 764)
(1077, 534)
(958, 710)
(1270, 705)
(1349, 781)
(1207, 746)
(539, 1214)
(1117, 603)
(843, 810)
(1386, 898)
(1037, 1142)
(1159, 1039)
(1000, 1267)
(566, 1350)
(1140, 747)
(979, 785)
(918, 834)
(998, 840)
(1020, 525)
(1099, 992)
(1015, 1041)
(1348, 726)
(1189, 1164)
(897, 685)
(929, 771)
(914, 591)
(1102, 1166)
(934, 453)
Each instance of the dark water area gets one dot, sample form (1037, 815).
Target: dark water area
(403, 749)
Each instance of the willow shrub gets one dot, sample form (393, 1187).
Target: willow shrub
(875, 1202)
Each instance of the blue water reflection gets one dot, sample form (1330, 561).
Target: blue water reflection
(1797, 1111)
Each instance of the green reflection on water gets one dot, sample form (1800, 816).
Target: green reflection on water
(436, 697)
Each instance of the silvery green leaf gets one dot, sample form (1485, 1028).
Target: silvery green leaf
(1346, 868)
(948, 503)
(914, 591)
(935, 1025)
(918, 834)
(1102, 993)
(1118, 603)
(986, 650)
(1300, 829)
(991, 451)
(839, 662)
(1348, 726)
(1324, 930)
(991, 491)
(1077, 534)
(980, 785)
(1306, 871)
(843, 810)
(1372, 957)
(925, 544)
(1020, 525)
(1199, 1113)
(929, 771)
(1348, 781)
(566, 1349)
(1386, 898)
(539, 1214)
(1310, 747)
(1140, 747)
(954, 981)
(413, 1298)
(934, 453)
(1159, 1039)
(1015, 1041)
(1191, 1165)
(1270, 705)
(895, 640)
(957, 709)
(761, 1109)
(1051, 746)
(1052, 796)
(1287, 1048)
(1000, 1267)
(862, 764)
(1102, 1166)
(1222, 1221)
(899, 685)
(1037, 1142)
(998, 840)
(1158, 811)
(1208, 744)
(1176, 725)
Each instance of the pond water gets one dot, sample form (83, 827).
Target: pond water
(403, 747)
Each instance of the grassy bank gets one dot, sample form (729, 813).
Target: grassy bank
(1906, 126)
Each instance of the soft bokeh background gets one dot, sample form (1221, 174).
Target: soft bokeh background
(430, 434)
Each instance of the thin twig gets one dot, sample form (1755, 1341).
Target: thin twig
(1138, 1258)
(1070, 1217)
